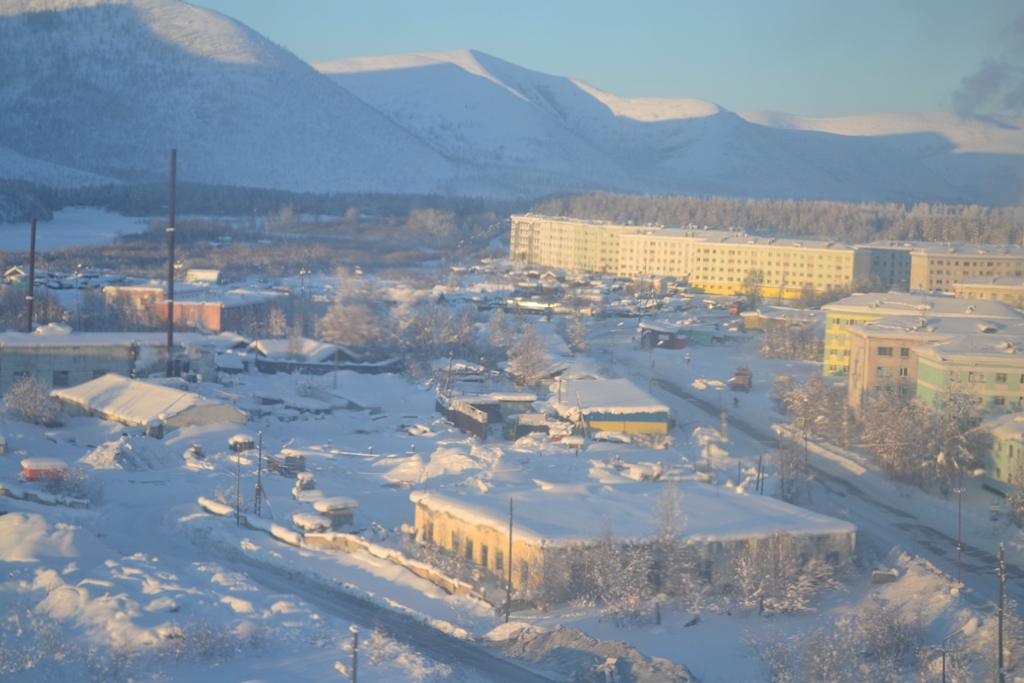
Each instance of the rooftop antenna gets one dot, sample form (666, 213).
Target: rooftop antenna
(170, 269)
(31, 275)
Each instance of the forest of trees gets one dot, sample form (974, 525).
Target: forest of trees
(853, 223)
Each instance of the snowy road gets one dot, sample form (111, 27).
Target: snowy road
(875, 518)
(460, 655)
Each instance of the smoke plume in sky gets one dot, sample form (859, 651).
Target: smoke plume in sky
(998, 86)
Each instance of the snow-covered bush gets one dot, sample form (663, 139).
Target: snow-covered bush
(29, 400)
(77, 484)
(788, 341)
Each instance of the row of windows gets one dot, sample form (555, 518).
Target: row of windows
(887, 351)
(884, 371)
(466, 550)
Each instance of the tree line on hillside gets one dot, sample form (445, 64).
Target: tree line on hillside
(847, 222)
(21, 200)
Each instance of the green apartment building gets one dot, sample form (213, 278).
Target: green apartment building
(989, 368)
(1005, 452)
(863, 308)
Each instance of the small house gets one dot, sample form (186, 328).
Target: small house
(34, 469)
(133, 402)
(341, 511)
(611, 405)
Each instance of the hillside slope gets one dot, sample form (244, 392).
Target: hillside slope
(462, 102)
(109, 87)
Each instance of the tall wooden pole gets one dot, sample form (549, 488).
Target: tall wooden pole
(31, 276)
(170, 268)
(508, 588)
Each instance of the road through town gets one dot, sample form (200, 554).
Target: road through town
(884, 523)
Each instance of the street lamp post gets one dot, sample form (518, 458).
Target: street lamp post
(954, 633)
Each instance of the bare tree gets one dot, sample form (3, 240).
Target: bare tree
(752, 286)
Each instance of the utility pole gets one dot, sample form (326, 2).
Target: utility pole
(959, 497)
(170, 268)
(508, 587)
(355, 651)
(31, 276)
(1002, 607)
(238, 489)
(259, 479)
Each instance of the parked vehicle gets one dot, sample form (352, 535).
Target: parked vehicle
(742, 379)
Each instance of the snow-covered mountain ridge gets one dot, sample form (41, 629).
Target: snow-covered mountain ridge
(94, 89)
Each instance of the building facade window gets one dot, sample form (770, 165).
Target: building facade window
(1000, 378)
(883, 372)
(60, 378)
(904, 353)
(904, 372)
(884, 350)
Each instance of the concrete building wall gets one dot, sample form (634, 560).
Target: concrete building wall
(1010, 294)
(64, 366)
(468, 540)
(996, 384)
(933, 270)
(880, 362)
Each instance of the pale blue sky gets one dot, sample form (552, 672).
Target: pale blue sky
(817, 58)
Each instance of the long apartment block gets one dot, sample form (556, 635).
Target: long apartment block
(732, 261)
(716, 261)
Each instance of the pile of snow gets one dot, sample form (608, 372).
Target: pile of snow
(114, 455)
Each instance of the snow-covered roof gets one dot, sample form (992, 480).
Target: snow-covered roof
(309, 350)
(895, 303)
(44, 464)
(992, 348)
(24, 339)
(556, 514)
(615, 396)
(335, 504)
(934, 328)
(131, 401)
(1009, 426)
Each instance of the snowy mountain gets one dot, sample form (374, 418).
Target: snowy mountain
(99, 90)
(462, 102)
(109, 87)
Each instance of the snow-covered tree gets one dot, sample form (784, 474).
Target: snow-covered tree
(29, 400)
(576, 336)
(277, 323)
(501, 333)
(958, 440)
(527, 360)
(894, 426)
(776, 574)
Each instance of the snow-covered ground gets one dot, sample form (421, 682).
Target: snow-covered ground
(160, 589)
